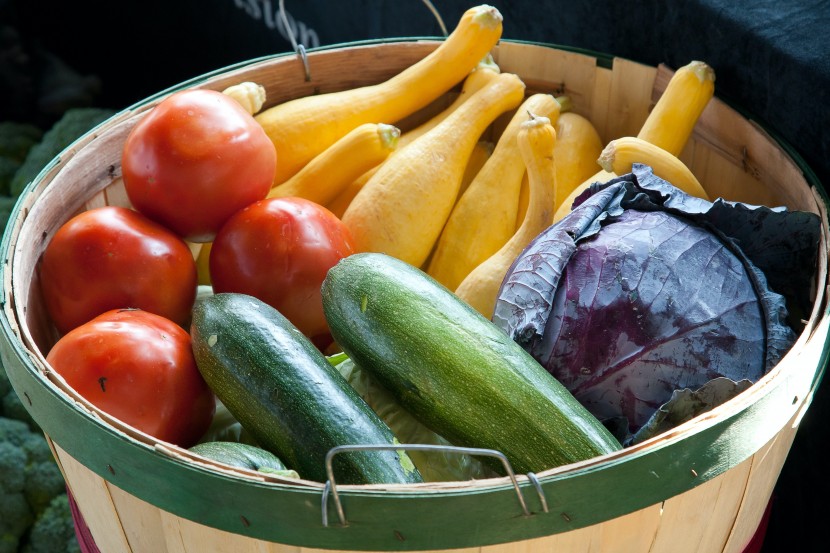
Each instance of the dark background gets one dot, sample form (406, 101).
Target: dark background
(772, 59)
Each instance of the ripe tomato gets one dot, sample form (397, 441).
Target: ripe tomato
(139, 368)
(194, 160)
(113, 257)
(279, 250)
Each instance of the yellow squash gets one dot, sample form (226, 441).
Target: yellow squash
(578, 145)
(481, 153)
(404, 206)
(302, 128)
(203, 264)
(565, 207)
(620, 154)
(536, 141)
(670, 123)
(481, 76)
(486, 70)
(339, 204)
(524, 200)
(251, 96)
(328, 174)
(484, 218)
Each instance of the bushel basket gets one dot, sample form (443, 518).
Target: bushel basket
(700, 487)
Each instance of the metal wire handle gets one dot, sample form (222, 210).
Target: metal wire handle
(301, 51)
(437, 16)
(299, 48)
(331, 486)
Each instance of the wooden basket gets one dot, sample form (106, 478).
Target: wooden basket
(701, 487)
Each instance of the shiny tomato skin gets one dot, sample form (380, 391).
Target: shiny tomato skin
(279, 250)
(194, 160)
(114, 257)
(139, 368)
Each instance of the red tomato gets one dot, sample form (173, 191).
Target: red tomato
(279, 250)
(194, 160)
(139, 368)
(111, 258)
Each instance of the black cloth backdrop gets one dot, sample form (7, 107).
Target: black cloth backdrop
(772, 59)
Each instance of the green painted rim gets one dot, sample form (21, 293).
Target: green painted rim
(415, 519)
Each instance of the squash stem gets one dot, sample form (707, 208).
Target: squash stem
(565, 103)
(486, 16)
(702, 71)
(606, 157)
(389, 135)
(489, 64)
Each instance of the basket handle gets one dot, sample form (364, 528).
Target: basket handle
(298, 48)
(331, 486)
(301, 51)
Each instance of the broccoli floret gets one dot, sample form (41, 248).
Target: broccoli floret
(29, 481)
(10, 405)
(54, 531)
(6, 206)
(74, 123)
(44, 480)
(16, 139)
(8, 168)
(15, 514)
(5, 385)
(13, 408)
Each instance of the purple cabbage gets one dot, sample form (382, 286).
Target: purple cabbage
(652, 306)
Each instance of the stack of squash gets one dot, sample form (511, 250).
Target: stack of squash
(459, 195)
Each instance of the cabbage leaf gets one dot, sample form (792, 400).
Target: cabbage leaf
(643, 290)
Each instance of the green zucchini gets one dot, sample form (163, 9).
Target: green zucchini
(244, 456)
(454, 370)
(288, 396)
